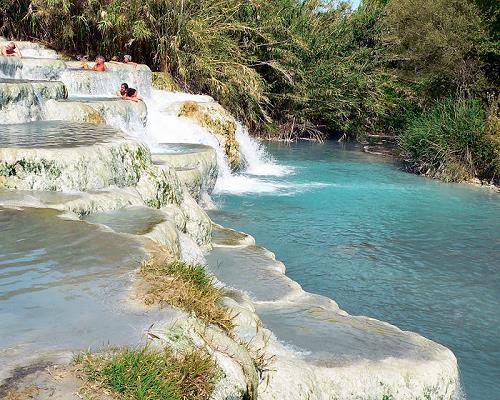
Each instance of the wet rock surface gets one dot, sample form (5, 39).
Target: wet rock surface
(318, 351)
(82, 203)
(216, 119)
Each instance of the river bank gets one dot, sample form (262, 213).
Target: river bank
(403, 248)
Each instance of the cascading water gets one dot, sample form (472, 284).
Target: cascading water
(163, 127)
(32, 50)
(75, 272)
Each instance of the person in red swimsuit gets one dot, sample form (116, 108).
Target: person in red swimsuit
(11, 50)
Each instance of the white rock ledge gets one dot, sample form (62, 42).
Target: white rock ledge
(319, 351)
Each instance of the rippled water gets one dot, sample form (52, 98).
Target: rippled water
(418, 253)
(133, 220)
(46, 134)
(62, 287)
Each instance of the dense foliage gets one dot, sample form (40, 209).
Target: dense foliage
(295, 68)
(450, 140)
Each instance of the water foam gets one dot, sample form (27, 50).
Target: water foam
(163, 127)
(257, 160)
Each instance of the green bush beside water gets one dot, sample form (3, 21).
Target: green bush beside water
(450, 140)
(290, 68)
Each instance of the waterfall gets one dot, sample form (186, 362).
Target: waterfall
(92, 97)
(163, 127)
(257, 160)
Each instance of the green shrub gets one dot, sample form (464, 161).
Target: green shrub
(437, 43)
(449, 141)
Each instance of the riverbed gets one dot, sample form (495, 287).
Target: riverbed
(418, 253)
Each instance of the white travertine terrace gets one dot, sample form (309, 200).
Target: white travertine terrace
(58, 154)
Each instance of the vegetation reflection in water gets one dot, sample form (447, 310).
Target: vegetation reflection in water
(409, 250)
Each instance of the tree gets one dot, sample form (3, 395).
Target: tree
(438, 44)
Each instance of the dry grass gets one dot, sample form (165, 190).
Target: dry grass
(185, 286)
(22, 394)
(262, 361)
(149, 374)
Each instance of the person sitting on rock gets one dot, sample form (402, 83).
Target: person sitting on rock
(123, 90)
(11, 50)
(99, 64)
(131, 94)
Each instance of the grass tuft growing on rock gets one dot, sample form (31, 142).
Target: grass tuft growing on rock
(185, 286)
(150, 374)
(22, 394)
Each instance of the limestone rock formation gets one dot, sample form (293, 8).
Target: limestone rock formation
(216, 119)
(22, 100)
(98, 111)
(64, 156)
(196, 166)
(311, 349)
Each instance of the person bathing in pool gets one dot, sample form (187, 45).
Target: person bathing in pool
(131, 94)
(127, 59)
(123, 90)
(11, 50)
(99, 64)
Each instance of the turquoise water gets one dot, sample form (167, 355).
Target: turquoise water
(421, 254)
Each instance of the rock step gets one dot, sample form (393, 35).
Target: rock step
(77, 80)
(123, 113)
(32, 49)
(223, 237)
(22, 100)
(131, 220)
(252, 270)
(319, 345)
(87, 82)
(31, 68)
(65, 156)
(188, 157)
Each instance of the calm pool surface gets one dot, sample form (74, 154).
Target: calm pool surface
(421, 254)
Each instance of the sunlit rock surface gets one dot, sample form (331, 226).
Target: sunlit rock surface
(77, 80)
(196, 165)
(217, 120)
(23, 100)
(31, 49)
(112, 110)
(31, 68)
(107, 83)
(318, 350)
(67, 156)
(158, 225)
